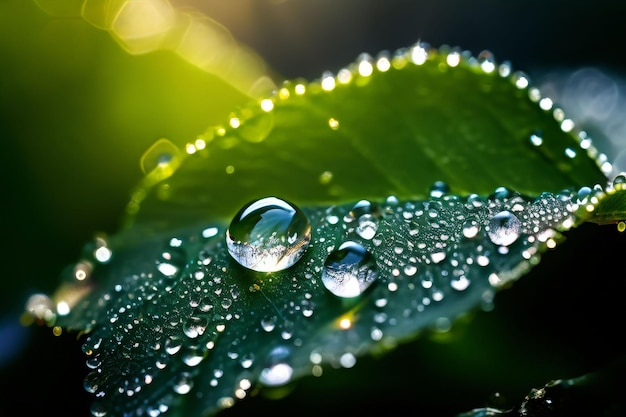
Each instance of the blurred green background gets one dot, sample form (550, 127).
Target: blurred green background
(77, 111)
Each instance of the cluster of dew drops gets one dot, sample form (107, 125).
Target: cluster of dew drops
(272, 234)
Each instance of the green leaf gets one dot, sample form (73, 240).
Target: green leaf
(393, 132)
(449, 173)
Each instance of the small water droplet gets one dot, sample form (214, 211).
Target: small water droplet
(193, 357)
(487, 61)
(471, 227)
(349, 270)
(97, 409)
(410, 270)
(367, 226)
(347, 360)
(173, 345)
(362, 208)
(619, 182)
(268, 235)
(195, 326)
(582, 197)
(504, 228)
(172, 260)
(90, 383)
(460, 283)
(247, 360)
(277, 370)
(536, 138)
(268, 323)
(184, 383)
(439, 189)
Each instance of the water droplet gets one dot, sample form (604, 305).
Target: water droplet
(349, 270)
(504, 228)
(439, 189)
(195, 326)
(367, 226)
(268, 323)
(268, 235)
(410, 270)
(366, 214)
(184, 383)
(347, 360)
(505, 68)
(487, 61)
(277, 371)
(583, 194)
(90, 383)
(172, 260)
(247, 360)
(471, 227)
(536, 138)
(193, 357)
(361, 208)
(173, 345)
(97, 409)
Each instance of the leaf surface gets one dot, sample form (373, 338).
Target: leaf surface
(451, 172)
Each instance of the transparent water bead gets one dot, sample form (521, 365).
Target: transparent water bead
(366, 215)
(349, 270)
(172, 260)
(277, 371)
(268, 235)
(504, 228)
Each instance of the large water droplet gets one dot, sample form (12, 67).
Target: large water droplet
(504, 228)
(268, 235)
(349, 270)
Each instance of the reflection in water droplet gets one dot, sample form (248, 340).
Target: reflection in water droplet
(268, 235)
(349, 270)
(504, 228)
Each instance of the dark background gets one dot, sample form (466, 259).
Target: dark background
(562, 320)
